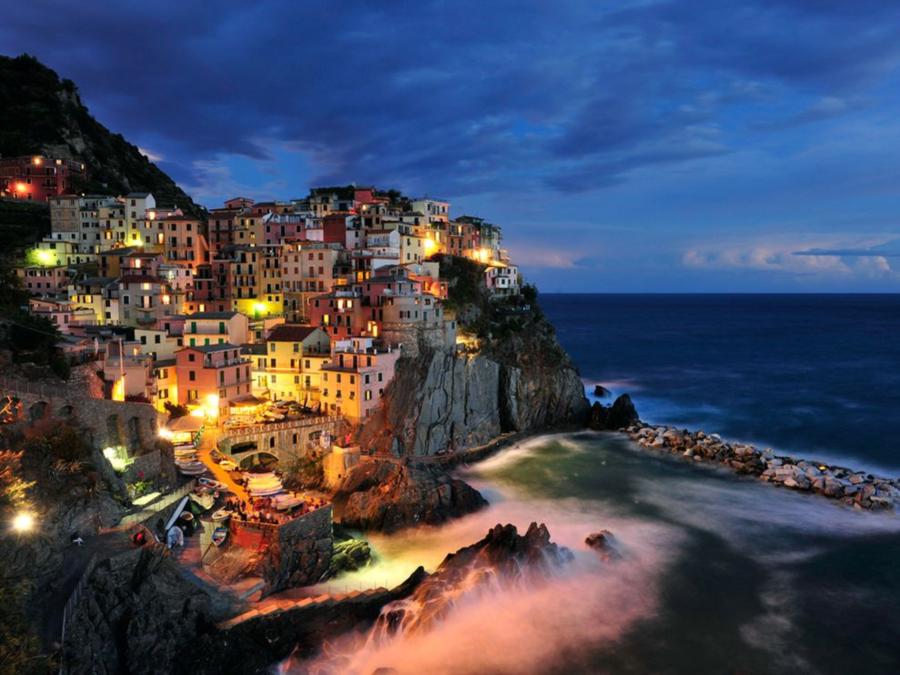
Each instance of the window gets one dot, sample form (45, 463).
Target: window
(191, 356)
(192, 376)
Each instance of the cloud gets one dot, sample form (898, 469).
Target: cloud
(472, 98)
(783, 258)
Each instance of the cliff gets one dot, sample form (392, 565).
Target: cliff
(518, 379)
(41, 113)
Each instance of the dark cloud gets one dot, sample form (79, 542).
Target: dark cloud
(458, 98)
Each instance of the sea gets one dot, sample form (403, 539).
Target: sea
(718, 573)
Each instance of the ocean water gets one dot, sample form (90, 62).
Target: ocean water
(813, 375)
(719, 573)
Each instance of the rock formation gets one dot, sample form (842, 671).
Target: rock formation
(619, 415)
(136, 614)
(388, 495)
(604, 543)
(503, 558)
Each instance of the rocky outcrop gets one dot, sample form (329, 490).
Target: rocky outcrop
(445, 402)
(388, 495)
(136, 614)
(619, 415)
(604, 543)
(854, 488)
(348, 555)
(502, 559)
(299, 552)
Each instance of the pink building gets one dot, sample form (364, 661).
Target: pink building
(212, 376)
(354, 381)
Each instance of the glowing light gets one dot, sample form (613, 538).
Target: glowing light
(37, 161)
(166, 299)
(165, 433)
(118, 390)
(430, 246)
(115, 459)
(21, 188)
(23, 522)
(211, 407)
(259, 307)
(44, 257)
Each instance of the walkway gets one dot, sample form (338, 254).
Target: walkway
(204, 454)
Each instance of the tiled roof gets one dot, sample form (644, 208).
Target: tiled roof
(291, 333)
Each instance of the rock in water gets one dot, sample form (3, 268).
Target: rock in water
(604, 543)
(502, 559)
(388, 495)
(601, 392)
(619, 415)
(348, 555)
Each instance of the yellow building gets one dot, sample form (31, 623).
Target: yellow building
(294, 358)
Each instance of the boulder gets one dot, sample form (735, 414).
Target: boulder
(619, 415)
(601, 392)
(604, 543)
(388, 495)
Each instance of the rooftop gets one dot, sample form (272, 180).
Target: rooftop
(291, 333)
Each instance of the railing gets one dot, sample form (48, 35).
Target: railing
(253, 429)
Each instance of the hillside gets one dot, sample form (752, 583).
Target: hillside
(41, 113)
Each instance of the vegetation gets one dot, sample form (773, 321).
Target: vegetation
(22, 224)
(41, 113)
(175, 411)
(28, 338)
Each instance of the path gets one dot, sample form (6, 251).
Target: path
(204, 454)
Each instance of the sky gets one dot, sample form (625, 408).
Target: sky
(646, 146)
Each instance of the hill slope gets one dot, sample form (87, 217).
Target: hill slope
(41, 113)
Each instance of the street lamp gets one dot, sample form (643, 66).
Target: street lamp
(23, 522)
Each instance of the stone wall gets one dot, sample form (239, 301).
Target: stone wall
(108, 423)
(299, 552)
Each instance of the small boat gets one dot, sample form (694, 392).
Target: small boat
(177, 512)
(192, 468)
(222, 514)
(213, 483)
(186, 516)
(219, 535)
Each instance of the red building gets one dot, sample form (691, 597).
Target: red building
(36, 178)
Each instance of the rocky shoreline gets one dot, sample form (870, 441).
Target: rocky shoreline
(857, 489)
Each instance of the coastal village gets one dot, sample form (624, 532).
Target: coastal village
(244, 349)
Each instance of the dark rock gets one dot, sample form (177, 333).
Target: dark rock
(601, 392)
(259, 643)
(604, 543)
(503, 557)
(387, 496)
(136, 613)
(619, 415)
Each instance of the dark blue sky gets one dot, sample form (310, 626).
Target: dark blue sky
(643, 146)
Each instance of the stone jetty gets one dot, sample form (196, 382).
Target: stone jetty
(854, 488)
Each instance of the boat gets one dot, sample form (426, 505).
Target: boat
(222, 514)
(213, 483)
(177, 512)
(191, 468)
(219, 535)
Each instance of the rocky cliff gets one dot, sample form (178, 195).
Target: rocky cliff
(518, 379)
